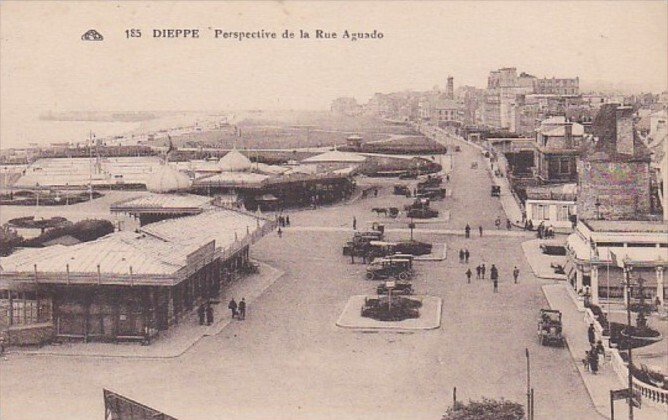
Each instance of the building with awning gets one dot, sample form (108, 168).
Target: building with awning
(151, 208)
(600, 250)
(126, 285)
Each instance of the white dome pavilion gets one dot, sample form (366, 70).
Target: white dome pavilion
(234, 161)
(167, 179)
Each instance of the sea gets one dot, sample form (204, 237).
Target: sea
(29, 130)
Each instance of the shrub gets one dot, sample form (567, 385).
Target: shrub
(9, 240)
(487, 409)
(84, 231)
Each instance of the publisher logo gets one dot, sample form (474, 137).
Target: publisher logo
(92, 35)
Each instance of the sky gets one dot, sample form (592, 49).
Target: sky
(44, 64)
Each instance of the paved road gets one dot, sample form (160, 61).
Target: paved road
(288, 360)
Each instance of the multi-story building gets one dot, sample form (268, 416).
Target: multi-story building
(554, 86)
(616, 239)
(557, 147)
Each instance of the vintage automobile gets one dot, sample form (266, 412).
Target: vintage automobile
(359, 245)
(550, 328)
(430, 181)
(400, 189)
(496, 191)
(397, 287)
(408, 175)
(377, 249)
(432, 193)
(387, 267)
(418, 203)
(422, 213)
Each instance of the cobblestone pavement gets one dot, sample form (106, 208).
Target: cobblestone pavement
(288, 360)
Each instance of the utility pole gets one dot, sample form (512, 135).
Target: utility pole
(90, 166)
(627, 274)
(529, 417)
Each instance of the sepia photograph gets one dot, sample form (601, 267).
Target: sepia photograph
(364, 210)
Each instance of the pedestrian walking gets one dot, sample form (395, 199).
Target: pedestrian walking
(591, 334)
(466, 255)
(586, 360)
(494, 275)
(516, 273)
(508, 224)
(232, 306)
(478, 269)
(461, 256)
(497, 223)
(496, 285)
(482, 271)
(279, 232)
(480, 230)
(468, 275)
(287, 220)
(593, 361)
(467, 231)
(201, 313)
(354, 223)
(209, 314)
(242, 309)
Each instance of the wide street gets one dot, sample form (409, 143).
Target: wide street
(289, 360)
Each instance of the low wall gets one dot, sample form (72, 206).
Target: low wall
(650, 395)
(30, 335)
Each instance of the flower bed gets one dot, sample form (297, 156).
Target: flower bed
(634, 337)
(402, 308)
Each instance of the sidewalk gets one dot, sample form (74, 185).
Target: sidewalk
(459, 232)
(540, 263)
(599, 385)
(179, 338)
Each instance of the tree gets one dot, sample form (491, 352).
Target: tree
(487, 409)
(9, 240)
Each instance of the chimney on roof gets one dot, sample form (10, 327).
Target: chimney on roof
(568, 133)
(450, 89)
(624, 130)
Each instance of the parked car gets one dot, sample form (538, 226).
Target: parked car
(398, 287)
(418, 203)
(383, 268)
(550, 328)
(432, 193)
(400, 189)
(422, 213)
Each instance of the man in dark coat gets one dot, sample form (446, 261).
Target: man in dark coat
(466, 255)
(209, 314)
(242, 309)
(233, 307)
(461, 255)
(494, 274)
(467, 231)
(591, 334)
(478, 270)
(200, 314)
(468, 275)
(516, 273)
(482, 271)
(480, 230)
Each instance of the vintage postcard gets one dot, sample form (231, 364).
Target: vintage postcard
(399, 210)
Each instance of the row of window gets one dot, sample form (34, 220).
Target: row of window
(25, 308)
(543, 212)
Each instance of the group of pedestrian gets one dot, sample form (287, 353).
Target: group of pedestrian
(544, 232)
(464, 255)
(596, 350)
(284, 221)
(205, 313)
(467, 230)
(238, 309)
(481, 271)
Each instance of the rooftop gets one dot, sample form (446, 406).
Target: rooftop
(336, 156)
(627, 226)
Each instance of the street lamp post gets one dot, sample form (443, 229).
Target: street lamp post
(526, 350)
(411, 226)
(627, 285)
